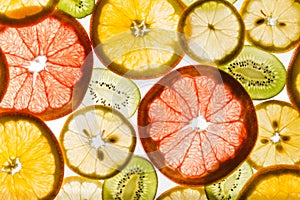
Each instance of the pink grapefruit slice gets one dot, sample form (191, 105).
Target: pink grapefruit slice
(197, 124)
(47, 62)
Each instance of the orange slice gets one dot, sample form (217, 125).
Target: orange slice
(276, 182)
(31, 162)
(137, 39)
(197, 124)
(78, 187)
(20, 13)
(183, 193)
(47, 62)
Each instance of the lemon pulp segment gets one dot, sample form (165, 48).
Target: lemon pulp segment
(97, 141)
(183, 193)
(30, 163)
(136, 37)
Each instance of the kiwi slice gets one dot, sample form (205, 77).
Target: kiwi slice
(77, 8)
(261, 73)
(229, 187)
(109, 89)
(138, 180)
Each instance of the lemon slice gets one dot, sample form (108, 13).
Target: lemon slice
(31, 162)
(78, 187)
(183, 193)
(137, 39)
(279, 135)
(275, 182)
(272, 25)
(97, 141)
(211, 32)
(187, 3)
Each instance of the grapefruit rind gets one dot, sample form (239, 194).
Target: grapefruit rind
(170, 124)
(183, 193)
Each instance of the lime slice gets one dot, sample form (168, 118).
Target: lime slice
(97, 141)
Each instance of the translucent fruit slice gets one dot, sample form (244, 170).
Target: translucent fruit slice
(293, 78)
(78, 187)
(187, 3)
(278, 135)
(109, 89)
(138, 180)
(274, 182)
(211, 31)
(272, 25)
(31, 161)
(20, 13)
(137, 39)
(97, 141)
(47, 62)
(77, 8)
(3, 75)
(261, 73)
(197, 124)
(183, 193)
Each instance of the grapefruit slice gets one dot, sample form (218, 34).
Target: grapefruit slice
(20, 12)
(47, 62)
(197, 124)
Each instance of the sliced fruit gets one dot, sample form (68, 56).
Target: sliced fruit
(97, 141)
(47, 62)
(31, 162)
(77, 8)
(211, 31)
(3, 75)
(272, 25)
(261, 73)
(138, 180)
(274, 182)
(137, 39)
(20, 13)
(278, 135)
(109, 89)
(229, 187)
(197, 124)
(187, 3)
(78, 187)
(293, 79)
(183, 193)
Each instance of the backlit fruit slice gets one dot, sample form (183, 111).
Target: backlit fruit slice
(31, 162)
(20, 12)
(3, 75)
(211, 31)
(137, 38)
(138, 180)
(261, 73)
(187, 3)
(47, 62)
(109, 89)
(97, 141)
(183, 193)
(293, 78)
(230, 187)
(278, 134)
(78, 187)
(197, 124)
(274, 182)
(272, 25)
(77, 8)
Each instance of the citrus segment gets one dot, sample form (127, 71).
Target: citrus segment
(187, 3)
(212, 132)
(31, 162)
(20, 13)
(137, 39)
(183, 193)
(273, 182)
(272, 25)
(47, 61)
(78, 187)
(97, 141)
(278, 135)
(211, 31)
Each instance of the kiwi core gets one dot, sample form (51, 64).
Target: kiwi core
(139, 28)
(12, 166)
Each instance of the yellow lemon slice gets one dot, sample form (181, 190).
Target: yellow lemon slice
(187, 3)
(211, 31)
(97, 141)
(31, 162)
(183, 193)
(272, 25)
